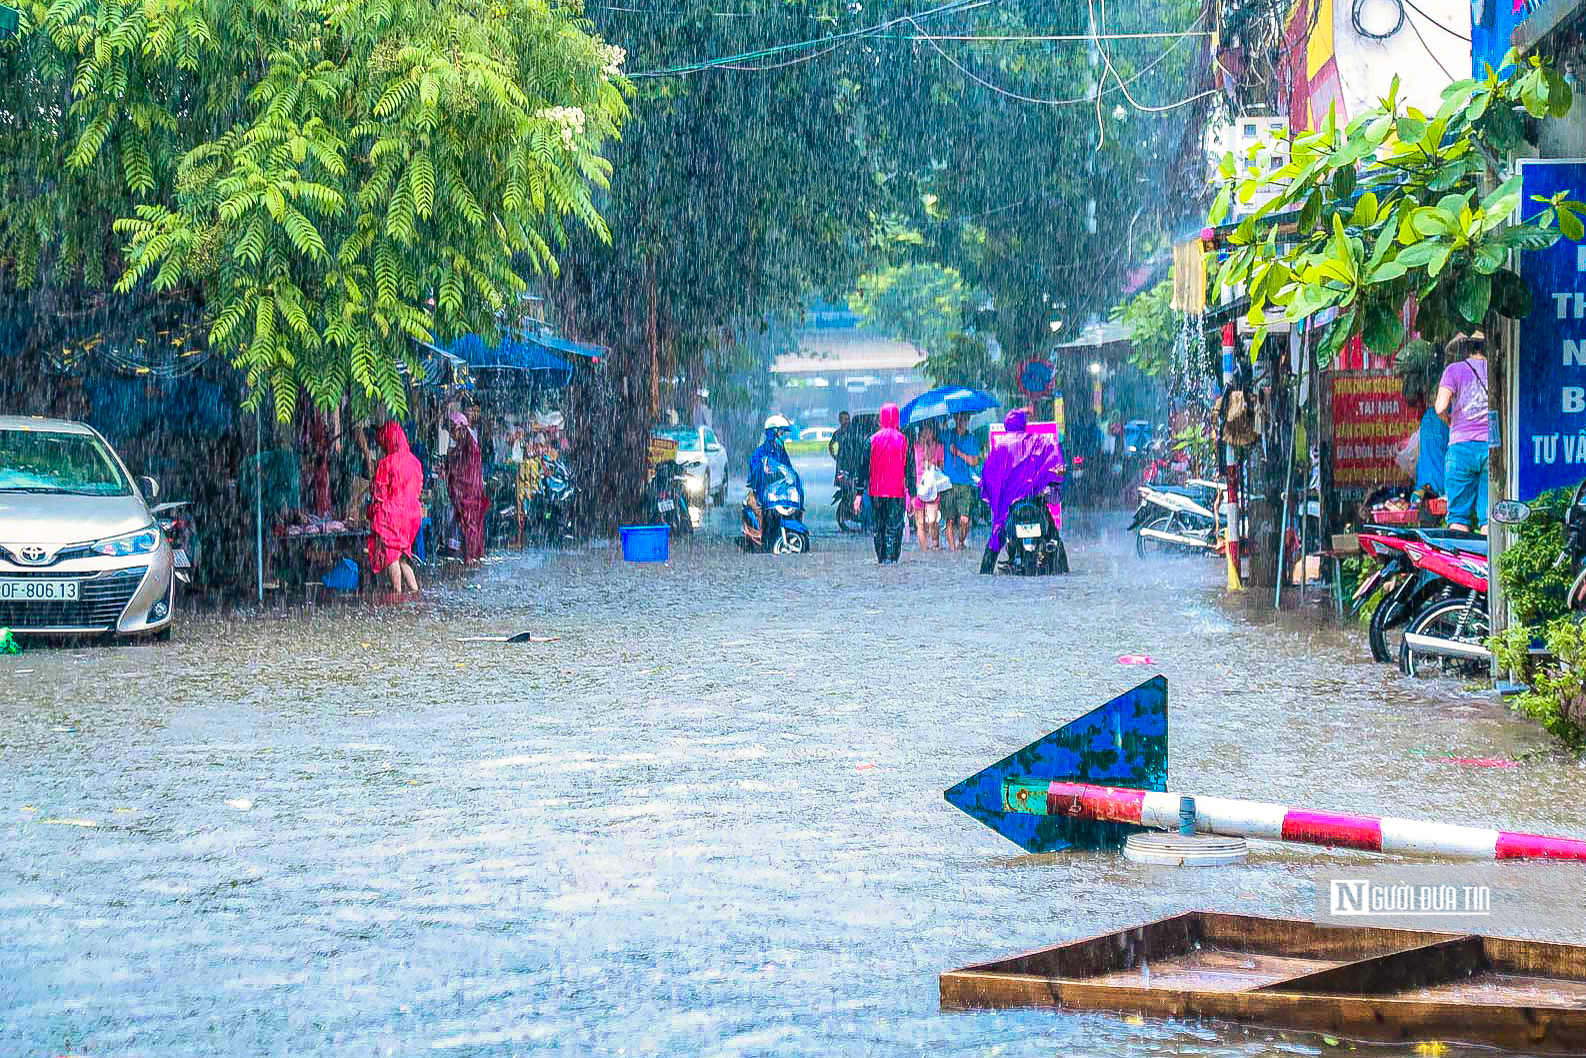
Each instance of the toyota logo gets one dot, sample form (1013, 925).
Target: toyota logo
(32, 554)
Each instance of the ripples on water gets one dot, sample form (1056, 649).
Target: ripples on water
(706, 821)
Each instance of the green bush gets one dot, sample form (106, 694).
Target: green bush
(1535, 586)
(1556, 696)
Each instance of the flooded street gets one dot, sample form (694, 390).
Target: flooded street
(707, 820)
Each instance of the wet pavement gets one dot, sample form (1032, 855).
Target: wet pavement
(707, 820)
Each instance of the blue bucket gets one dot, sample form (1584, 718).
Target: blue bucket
(344, 577)
(646, 543)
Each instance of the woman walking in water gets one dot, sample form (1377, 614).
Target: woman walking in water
(395, 514)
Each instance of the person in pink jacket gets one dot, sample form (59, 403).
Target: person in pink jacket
(888, 456)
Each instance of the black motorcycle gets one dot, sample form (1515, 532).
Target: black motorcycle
(668, 497)
(844, 499)
(1031, 543)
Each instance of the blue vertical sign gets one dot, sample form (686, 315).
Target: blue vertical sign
(1550, 378)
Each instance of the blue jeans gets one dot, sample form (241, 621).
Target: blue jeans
(1465, 478)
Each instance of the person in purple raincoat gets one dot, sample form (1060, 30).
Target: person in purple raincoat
(1020, 465)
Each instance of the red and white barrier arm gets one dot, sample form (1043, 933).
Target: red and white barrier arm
(1232, 817)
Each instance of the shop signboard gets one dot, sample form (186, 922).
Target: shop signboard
(1550, 369)
(662, 449)
(1370, 422)
(998, 434)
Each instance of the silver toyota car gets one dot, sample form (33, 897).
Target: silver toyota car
(80, 553)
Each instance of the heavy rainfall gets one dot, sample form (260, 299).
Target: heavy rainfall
(706, 527)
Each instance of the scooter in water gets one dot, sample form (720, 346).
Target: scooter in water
(668, 496)
(1033, 545)
(1032, 542)
(1448, 635)
(554, 504)
(1177, 518)
(1405, 588)
(778, 526)
(846, 500)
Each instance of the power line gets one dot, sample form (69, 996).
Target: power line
(1451, 32)
(953, 6)
(1089, 96)
(1059, 37)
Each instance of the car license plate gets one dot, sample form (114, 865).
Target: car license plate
(665, 506)
(30, 590)
(1026, 532)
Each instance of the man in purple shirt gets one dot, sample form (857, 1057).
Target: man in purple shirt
(1462, 403)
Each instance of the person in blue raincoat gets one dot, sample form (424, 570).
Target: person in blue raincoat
(774, 448)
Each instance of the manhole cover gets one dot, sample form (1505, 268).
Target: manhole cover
(1180, 850)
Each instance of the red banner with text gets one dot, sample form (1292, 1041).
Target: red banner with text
(1371, 422)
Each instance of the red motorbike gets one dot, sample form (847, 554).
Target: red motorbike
(1447, 636)
(1405, 587)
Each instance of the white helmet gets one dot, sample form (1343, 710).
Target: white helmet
(778, 422)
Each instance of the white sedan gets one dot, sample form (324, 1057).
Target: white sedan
(703, 457)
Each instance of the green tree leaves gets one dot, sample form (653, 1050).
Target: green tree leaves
(1401, 209)
(329, 181)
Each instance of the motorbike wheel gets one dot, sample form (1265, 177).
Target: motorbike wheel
(790, 543)
(1444, 619)
(1394, 611)
(1022, 563)
(1149, 547)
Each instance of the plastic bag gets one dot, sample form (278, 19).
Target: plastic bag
(1408, 453)
(932, 484)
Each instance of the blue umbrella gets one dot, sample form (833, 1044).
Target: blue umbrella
(948, 400)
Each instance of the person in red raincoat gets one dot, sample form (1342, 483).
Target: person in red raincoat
(395, 514)
(465, 481)
(888, 460)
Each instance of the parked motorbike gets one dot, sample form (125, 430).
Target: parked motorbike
(1177, 518)
(554, 505)
(846, 500)
(668, 497)
(176, 522)
(1032, 545)
(778, 526)
(1405, 588)
(1447, 636)
(501, 510)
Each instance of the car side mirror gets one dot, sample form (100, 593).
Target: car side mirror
(1510, 512)
(149, 487)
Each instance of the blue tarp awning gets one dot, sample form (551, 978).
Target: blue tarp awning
(567, 345)
(515, 352)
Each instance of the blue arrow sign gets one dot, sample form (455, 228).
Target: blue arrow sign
(1121, 743)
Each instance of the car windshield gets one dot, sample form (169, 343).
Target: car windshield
(44, 461)
(687, 440)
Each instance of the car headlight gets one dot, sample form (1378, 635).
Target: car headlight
(694, 483)
(139, 543)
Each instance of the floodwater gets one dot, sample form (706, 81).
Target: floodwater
(706, 821)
